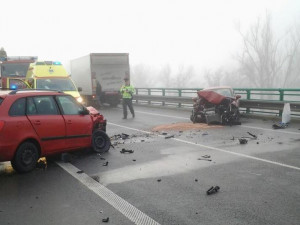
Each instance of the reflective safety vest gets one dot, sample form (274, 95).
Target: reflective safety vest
(127, 91)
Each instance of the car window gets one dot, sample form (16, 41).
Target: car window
(17, 108)
(224, 92)
(1, 100)
(69, 105)
(42, 105)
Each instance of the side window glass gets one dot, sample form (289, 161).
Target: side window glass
(18, 108)
(31, 107)
(69, 105)
(45, 105)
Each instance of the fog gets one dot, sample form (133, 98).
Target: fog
(170, 43)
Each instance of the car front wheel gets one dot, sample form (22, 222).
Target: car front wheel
(101, 141)
(25, 158)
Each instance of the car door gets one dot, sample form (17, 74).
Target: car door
(78, 127)
(49, 124)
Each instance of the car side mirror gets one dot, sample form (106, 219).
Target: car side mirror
(84, 111)
(238, 96)
(79, 89)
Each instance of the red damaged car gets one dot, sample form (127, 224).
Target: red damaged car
(34, 124)
(216, 105)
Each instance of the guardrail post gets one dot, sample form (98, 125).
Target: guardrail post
(281, 97)
(179, 95)
(163, 94)
(136, 92)
(248, 98)
(149, 93)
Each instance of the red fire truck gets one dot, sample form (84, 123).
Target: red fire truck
(13, 69)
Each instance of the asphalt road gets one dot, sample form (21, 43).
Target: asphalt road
(164, 181)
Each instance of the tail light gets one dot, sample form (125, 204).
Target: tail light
(1, 124)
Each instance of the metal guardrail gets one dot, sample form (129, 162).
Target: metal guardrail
(256, 100)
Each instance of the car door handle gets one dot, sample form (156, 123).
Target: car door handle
(37, 122)
(69, 122)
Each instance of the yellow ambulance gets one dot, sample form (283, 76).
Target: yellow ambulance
(51, 75)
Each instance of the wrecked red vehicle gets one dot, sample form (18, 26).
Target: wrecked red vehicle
(216, 105)
(35, 124)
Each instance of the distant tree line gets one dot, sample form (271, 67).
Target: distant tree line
(265, 61)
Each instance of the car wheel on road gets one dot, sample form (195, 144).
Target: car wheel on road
(101, 141)
(25, 158)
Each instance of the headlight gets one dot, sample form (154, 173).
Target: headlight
(79, 99)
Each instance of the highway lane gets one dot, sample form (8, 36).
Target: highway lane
(164, 179)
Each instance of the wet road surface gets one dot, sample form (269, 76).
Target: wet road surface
(164, 181)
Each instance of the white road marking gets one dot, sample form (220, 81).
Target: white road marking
(257, 128)
(128, 210)
(216, 149)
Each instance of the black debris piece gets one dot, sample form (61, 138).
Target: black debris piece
(1, 211)
(105, 220)
(180, 131)
(170, 136)
(206, 156)
(102, 158)
(142, 140)
(80, 171)
(134, 160)
(112, 145)
(280, 143)
(196, 180)
(253, 135)
(158, 180)
(105, 164)
(164, 133)
(205, 159)
(126, 151)
(213, 190)
(257, 142)
(243, 141)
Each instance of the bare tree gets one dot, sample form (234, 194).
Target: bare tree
(165, 75)
(184, 76)
(267, 61)
(2, 53)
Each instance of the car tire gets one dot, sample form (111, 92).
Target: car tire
(100, 141)
(25, 158)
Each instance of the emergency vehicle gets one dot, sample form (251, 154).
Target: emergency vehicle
(51, 75)
(13, 69)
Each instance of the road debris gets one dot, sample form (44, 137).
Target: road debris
(134, 160)
(158, 180)
(126, 151)
(205, 159)
(105, 164)
(243, 141)
(196, 180)
(206, 156)
(280, 126)
(105, 220)
(164, 133)
(213, 190)
(232, 138)
(205, 133)
(80, 171)
(41, 164)
(253, 135)
(170, 136)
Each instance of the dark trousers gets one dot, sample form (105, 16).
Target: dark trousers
(127, 102)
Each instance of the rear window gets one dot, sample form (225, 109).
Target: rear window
(1, 100)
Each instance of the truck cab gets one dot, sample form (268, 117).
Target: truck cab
(51, 75)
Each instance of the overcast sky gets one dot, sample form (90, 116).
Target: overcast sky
(200, 33)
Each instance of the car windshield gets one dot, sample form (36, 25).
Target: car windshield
(62, 84)
(224, 91)
(14, 69)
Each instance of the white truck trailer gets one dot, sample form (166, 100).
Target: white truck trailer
(108, 69)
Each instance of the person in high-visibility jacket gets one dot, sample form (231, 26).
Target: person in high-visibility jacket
(127, 92)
